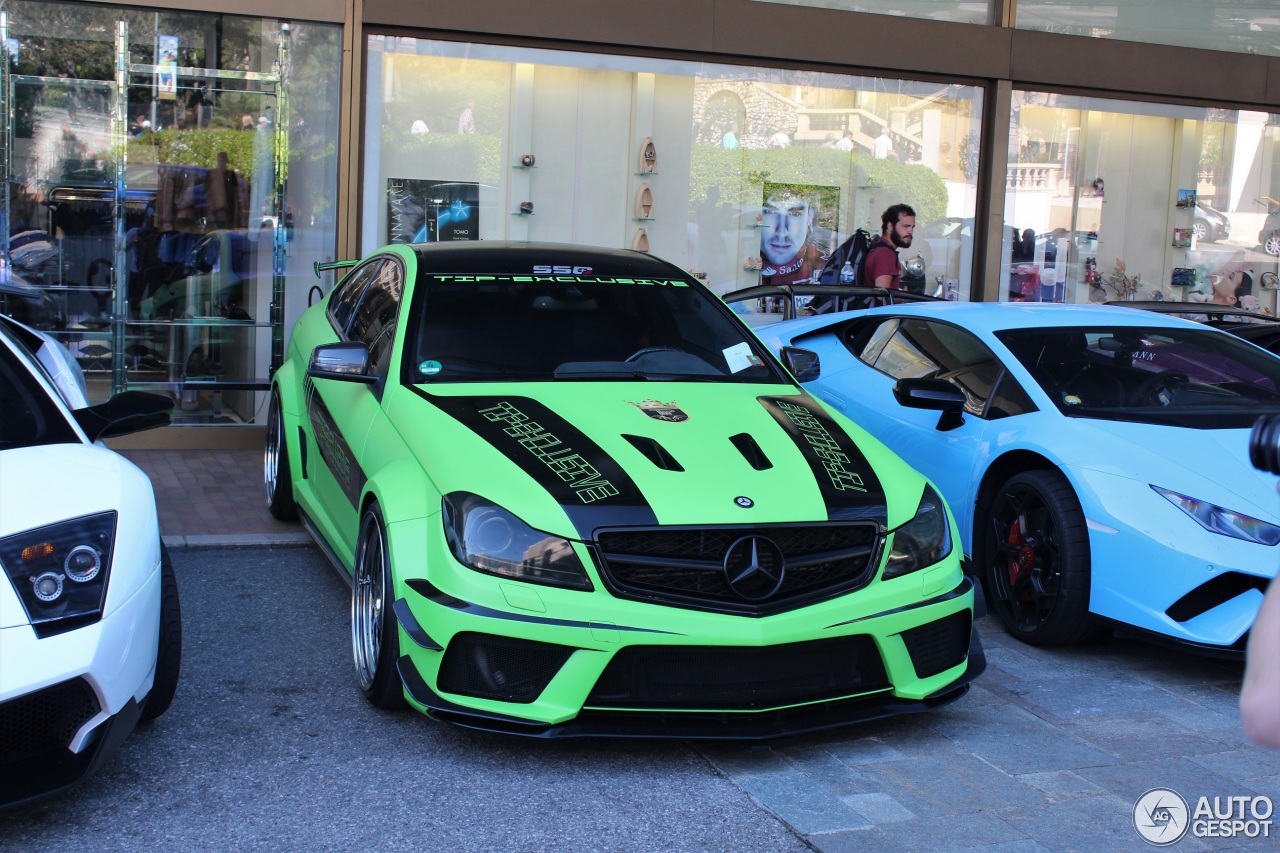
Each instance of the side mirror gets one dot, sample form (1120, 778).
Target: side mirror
(934, 394)
(125, 413)
(803, 363)
(346, 361)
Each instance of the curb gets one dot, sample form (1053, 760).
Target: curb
(240, 540)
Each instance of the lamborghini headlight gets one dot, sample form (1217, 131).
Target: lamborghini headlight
(489, 539)
(922, 541)
(60, 571)
(1216, 519)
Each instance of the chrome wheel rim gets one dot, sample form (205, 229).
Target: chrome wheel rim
(1272, 246)
(1026, 568)
(271, 450)
(368, 600)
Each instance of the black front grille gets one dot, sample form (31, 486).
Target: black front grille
(44, 722)
(501, 668)
(939, 645)
(739, 678)
(684, 567)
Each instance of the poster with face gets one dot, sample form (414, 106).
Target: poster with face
(422, 211)
(799, 225)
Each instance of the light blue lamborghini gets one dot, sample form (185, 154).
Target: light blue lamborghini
(1096, 458)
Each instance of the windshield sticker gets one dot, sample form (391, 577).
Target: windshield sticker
(669, 412)
(430, 367)
(739, 357)
(560, 279)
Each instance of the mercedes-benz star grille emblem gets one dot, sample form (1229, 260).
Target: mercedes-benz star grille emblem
(754, 567)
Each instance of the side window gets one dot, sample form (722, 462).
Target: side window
(346, 295)
(910, 348)
(375, 318)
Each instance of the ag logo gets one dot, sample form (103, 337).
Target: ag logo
(560, 269)
(1161, 816)
(669, 412)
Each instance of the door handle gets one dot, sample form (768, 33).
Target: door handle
(834, 401)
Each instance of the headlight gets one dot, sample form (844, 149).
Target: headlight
(922, 541)
(1215, 519)
(487, 538)
(60, 572)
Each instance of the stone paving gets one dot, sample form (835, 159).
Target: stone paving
(1049, 751)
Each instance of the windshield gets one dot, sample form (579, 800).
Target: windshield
(29, 416)
(481, 328)
(1183, 377)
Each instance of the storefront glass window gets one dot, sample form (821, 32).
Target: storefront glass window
(1110, 200)
(936, 10)
(1239, 27)
(689, 161)
(187, 286)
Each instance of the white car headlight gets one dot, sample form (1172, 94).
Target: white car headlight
(922, 541)
(60, 571)
(1217, 519)
(489, 539)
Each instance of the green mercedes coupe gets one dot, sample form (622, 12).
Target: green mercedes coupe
(574, 495)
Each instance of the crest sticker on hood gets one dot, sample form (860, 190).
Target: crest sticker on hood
(669, 412)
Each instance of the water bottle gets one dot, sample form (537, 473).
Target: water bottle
(846, 273)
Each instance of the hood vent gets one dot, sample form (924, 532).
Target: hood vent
(751, 451)
(654, 452)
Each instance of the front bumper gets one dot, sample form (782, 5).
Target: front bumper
(69, 700)
(36, 731)
(492, 654)
(1155, 570)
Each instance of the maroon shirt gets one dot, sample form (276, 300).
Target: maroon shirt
(879, 262)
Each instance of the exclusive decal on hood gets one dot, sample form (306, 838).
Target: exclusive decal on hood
(848, 483)
(591, 487)
(669, 412)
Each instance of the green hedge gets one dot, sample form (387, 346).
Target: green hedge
(740, 174)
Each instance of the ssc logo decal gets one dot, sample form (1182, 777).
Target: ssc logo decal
(744, 502)
(669, 412)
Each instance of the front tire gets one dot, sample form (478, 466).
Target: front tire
(1035, 556)
(275, 464)
(169, 651)
(375, 633)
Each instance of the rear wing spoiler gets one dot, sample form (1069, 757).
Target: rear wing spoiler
(332, 265)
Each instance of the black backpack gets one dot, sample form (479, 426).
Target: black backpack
(854, 250)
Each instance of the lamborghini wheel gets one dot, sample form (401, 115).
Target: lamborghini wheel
(169, 651)
(1036, 559)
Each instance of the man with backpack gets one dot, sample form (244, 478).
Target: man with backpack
(881, 269)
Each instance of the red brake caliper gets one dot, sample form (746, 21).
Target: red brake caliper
(1022, 558)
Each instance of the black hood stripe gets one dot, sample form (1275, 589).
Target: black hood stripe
(849, 485)
(589, 484)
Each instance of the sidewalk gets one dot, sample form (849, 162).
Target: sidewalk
(209, 498)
